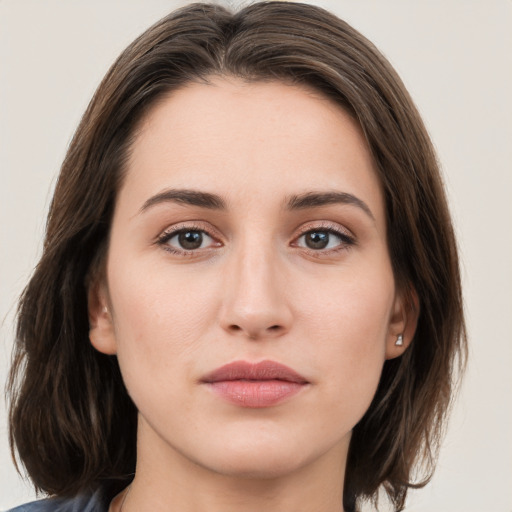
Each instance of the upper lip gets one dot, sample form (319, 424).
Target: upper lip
(264, 370)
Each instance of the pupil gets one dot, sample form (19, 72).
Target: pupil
(190, 239)
(317, 239)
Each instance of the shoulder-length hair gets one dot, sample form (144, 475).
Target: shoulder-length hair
(71, 420)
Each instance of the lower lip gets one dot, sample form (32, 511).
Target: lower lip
(262, 393)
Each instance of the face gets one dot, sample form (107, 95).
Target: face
(249, 232)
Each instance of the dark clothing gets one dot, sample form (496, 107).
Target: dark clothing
(98, 501)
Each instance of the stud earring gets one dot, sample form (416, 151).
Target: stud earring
(105, 309)
(399, 341)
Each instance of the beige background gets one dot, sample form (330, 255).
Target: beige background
(454, 55)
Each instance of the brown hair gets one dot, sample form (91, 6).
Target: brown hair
(71, 420)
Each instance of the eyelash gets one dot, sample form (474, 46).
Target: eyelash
(346, 239)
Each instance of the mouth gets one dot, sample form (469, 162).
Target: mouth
(255, 385)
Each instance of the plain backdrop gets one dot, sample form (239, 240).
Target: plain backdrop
(454, 56)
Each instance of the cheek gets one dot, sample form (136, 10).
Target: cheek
(354, 308)
(160, 317)
(347, 321)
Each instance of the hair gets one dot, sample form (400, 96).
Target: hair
(72, 423)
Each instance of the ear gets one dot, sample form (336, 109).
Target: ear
(101, 327)
(403, 322)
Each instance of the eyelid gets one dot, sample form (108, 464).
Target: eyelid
(326, 225)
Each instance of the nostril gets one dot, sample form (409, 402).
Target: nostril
(234, 328)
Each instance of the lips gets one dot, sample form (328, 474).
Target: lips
(255, 385)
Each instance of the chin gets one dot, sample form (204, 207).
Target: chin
(250, 459)
(257, 467)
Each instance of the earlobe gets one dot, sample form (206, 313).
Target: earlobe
(403, 322)
(101, 328)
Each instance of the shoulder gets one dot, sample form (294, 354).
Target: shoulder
(97, 501)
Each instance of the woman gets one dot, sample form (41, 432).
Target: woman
(249, 296)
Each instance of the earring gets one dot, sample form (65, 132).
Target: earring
(105, 309)
(399, 341)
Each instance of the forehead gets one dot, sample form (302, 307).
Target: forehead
(263, 139)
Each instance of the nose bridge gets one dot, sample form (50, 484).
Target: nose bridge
(254, 300)
(255, 272)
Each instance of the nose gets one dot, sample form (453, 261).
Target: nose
(254, 304)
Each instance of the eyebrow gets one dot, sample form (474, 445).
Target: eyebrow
(294, 202)
(318, 199)
(185, 196)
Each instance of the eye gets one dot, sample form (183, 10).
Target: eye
(186, 240)
(324, 239)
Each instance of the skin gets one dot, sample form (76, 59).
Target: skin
(253, 291)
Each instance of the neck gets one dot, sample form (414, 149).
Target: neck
(166, 480)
